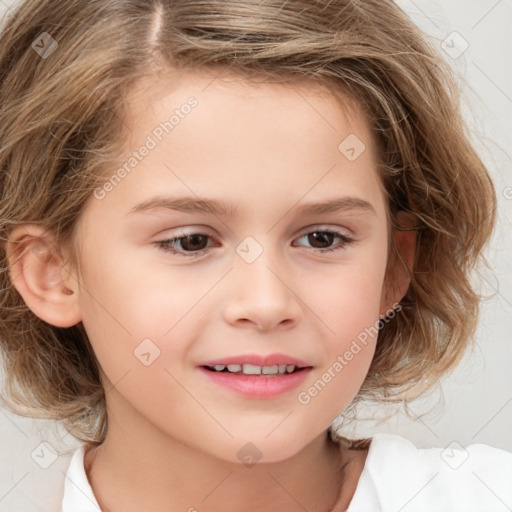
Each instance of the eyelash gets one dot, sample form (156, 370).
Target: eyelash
(167, 245)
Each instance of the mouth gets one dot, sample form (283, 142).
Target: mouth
(256, 370)
(256, 376)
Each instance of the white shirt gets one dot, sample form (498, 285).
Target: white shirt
(397, 477)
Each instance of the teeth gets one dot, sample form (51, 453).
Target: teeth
(251, 369)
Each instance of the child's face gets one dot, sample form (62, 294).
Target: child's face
(258, 286)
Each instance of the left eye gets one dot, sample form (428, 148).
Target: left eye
(196, 244)
(326, 236)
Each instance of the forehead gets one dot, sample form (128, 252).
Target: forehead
(253, 144)
(236, 94)
(236, 115)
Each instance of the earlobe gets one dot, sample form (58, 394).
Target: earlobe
(398, 277)
(38, 272)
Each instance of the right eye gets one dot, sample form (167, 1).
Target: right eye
(193, 244)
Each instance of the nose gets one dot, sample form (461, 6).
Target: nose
(261, 295)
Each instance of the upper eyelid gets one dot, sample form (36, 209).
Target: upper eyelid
(301, 233)
(322, 227)
(314, 228)
(207, 231)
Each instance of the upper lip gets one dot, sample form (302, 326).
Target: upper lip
(259, 360)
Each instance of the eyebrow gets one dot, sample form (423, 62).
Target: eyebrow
(190, 204)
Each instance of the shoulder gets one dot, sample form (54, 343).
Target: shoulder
(399, 475)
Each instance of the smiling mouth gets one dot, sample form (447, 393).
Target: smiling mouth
(255, 370)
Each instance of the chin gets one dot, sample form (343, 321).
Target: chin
(253, 450)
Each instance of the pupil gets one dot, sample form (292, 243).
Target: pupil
(319, 235)
(194, 239)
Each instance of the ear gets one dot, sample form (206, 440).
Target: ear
(397, 280)
(38, 272)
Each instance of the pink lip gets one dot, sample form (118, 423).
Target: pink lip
(259, 360)
(258, 386)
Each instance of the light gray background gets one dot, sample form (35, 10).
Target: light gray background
(473, 404)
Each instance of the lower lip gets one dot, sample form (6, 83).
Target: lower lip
(258, 386)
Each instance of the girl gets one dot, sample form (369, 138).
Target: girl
(223, 224)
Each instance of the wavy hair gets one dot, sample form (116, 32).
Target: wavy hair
(61, 123)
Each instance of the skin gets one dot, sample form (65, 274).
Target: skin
(173, 436)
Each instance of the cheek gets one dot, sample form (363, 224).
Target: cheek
(347, 296)
(348, 305)
(122, 310)
(348, 346)
(136, 294)
(138, 312)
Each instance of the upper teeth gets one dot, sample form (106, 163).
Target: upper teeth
(251, 369)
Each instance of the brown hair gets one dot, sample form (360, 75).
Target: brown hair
(61, 123)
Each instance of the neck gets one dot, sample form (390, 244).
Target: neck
(138, 467)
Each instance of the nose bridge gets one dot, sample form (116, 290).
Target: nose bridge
(263, 278)
(262, 291)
